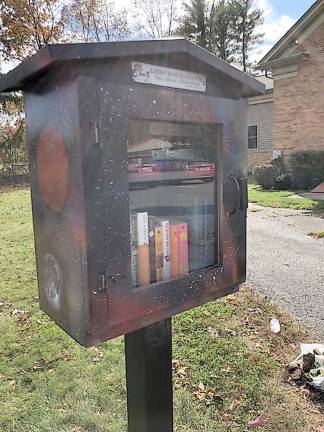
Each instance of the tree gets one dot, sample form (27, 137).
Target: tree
(156, 18)
(222, 30)
(225, 27)
(27, 25)
(13, 148)
(212, 26)
(248, 18)
(195, 24)
(95, 21)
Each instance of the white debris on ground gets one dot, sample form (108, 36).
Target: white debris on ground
(308, 367)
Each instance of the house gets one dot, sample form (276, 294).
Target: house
(260, 118)
(296, 64)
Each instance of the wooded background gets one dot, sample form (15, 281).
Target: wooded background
(227, 28)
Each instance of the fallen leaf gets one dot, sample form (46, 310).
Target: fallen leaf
(76, 428)
(234, 404)
(182, 372)
(259, 421)
(212, 332)
(306, 392)
(201, 386)
(231, 332)
(231, 297)
(200, 395)
(175, 364)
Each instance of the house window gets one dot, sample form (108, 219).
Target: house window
(253, 137)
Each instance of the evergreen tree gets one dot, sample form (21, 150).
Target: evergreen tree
(222, 24)
(248, 18)
(228, 28)
(195, 24)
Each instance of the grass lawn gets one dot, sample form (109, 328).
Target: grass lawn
(227, 364)
(282, 199)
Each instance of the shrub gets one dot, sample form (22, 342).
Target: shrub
(306, 169)
(271, 175)
(283, 182)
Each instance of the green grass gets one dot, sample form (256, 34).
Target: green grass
(227, 364)
(281, 199)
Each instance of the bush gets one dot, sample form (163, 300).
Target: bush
(306, 169)
(283, 182)
(271, 175)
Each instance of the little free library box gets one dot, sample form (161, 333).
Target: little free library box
(138, 165)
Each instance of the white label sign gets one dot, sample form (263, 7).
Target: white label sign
(151, 74)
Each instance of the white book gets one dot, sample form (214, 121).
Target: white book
(142, 229)
(133, 248)
(166, 250)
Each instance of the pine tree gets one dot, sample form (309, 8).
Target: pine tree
(248, 18)
(196, 22)
(222, 23)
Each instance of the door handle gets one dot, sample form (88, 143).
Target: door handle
(240, 196)
(237, 198)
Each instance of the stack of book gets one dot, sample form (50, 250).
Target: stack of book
(159, 248)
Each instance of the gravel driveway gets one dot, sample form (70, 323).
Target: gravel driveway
(285, 264)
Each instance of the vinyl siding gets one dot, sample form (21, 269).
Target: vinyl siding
(260, 114)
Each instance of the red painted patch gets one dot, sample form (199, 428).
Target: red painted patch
(52, 169)
(319, 188)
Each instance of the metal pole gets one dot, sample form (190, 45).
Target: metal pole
(148, 354)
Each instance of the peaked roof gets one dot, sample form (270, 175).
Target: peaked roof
(304, 21)
(47, 56)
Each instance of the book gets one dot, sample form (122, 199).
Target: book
(183, 248)
(174, 250)
(158, 252)
(143, 253)
(166, 249)
(133, 238)
(152, 251)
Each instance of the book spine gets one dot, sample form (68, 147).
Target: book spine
(143, 251)
(166, 249)
(133, 248)
(174, 250)
(159, 252)
(152, 250)
(183, 248)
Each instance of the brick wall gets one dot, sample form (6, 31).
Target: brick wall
(258, 157)
(298, 110)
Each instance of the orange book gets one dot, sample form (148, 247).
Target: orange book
(143, 251)
(183, 248)
(159, 252)
(174, 250)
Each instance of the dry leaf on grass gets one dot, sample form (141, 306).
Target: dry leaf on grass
(76, 429)
(260, 421)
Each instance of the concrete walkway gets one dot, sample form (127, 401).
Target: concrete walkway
(286, 264)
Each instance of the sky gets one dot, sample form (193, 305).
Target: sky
(279, 16)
